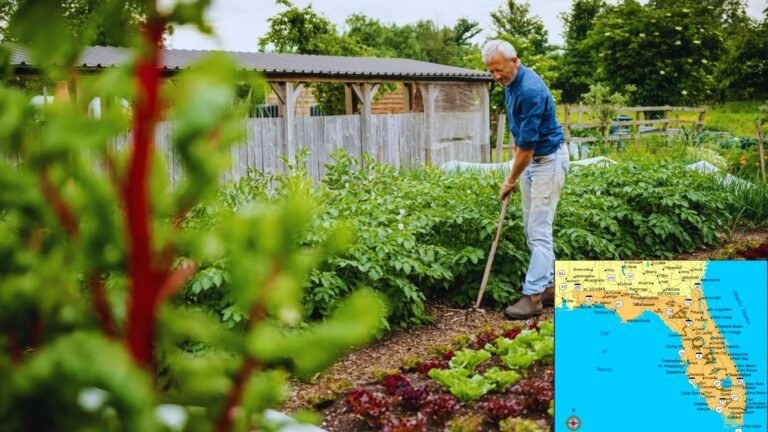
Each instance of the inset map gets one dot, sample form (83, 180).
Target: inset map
(661, 345)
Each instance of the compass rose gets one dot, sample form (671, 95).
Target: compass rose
(573, 423)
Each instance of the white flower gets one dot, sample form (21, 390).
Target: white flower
(167, 6)
(698, 42)
(642, 34)
(607, 33)
(704, 61)
(685, 10)
(661, 72)
(172, 416)
(684, 92)
(402, 212)
(678, 28)
(346, 185)
(400, 226)
(678, 43)
(91, 399)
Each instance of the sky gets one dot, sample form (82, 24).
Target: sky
(238, 24)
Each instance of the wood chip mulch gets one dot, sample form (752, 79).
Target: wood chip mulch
(358, 366)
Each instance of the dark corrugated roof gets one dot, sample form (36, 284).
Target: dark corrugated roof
(281, 65)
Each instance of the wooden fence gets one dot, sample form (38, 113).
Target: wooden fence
(398, 139)
(664, 125)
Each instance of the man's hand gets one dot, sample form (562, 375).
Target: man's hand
(507, 188)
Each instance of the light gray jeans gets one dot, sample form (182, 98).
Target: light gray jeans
(540, 186)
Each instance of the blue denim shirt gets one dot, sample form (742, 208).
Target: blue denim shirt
(531, 113)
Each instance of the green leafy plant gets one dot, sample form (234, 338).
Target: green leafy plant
(468, 358)
(461, 384)
(92, 331)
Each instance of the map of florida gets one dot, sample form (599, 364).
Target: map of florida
(675, 291)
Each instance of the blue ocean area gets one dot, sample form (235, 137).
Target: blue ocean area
(628, 377)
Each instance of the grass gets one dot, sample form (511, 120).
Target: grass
(748, 203)
(737, 118)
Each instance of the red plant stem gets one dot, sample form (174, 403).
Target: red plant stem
(176, 280)
(258, 313)
(60, 207)
(144, 280)
(227, 418)
(101, 305)
(13, 344)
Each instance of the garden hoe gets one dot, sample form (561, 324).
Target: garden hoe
(488, 265)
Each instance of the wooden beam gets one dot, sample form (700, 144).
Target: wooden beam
(408, 97)
(485, 124)
(279, 89)
(365, 92)
(429, 95)
(288, 93)
(500, 131)
(349, 100)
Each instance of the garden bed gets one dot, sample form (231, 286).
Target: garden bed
(400, 353)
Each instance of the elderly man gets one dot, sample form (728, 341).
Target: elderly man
(539, 168)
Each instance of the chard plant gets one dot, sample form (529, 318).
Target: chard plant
(96, 247)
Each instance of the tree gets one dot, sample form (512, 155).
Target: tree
(667, 52)
(742, 72)
(423, 40)
(577, 67)
(514, 19)
(90, 22)
(303, 31)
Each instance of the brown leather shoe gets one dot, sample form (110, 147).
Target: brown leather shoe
(526, 307)
(548, 297)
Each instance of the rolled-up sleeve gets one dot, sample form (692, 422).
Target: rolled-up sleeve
(531, 106)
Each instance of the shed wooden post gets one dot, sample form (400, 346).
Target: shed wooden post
(700, 124)
(288, 93)
(485, 135)
(349, 100)
(365, 92)
(429, 95)
(407, 97)
(500, 131)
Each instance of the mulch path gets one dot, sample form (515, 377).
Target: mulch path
(358, 366)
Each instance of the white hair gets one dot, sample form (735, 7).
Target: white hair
(498, 46)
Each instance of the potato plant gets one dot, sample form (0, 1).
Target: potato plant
(423, 233)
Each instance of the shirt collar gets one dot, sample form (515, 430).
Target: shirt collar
(518, 77)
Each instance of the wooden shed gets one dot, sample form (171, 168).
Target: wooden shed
(444, 110)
